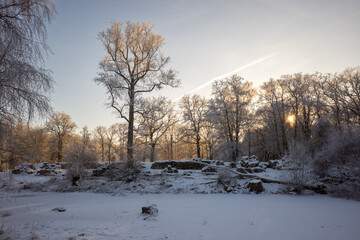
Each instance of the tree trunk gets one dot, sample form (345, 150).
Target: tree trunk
(109, 154)
(102, 151)
(171, 147)
(152, 155)
(60, 148)
(249, 146)
(198, 146)
(130, 143)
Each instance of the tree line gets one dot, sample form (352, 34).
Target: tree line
(237, 120)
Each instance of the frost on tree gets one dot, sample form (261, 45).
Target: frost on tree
(133, 65)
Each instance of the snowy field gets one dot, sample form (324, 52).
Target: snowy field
(181, 216)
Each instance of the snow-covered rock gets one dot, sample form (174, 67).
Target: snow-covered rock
(255, 186)
(249, 162)
(24, 168)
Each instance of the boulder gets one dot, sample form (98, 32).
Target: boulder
(209, 169)
(17, 171)
(249, 162)
(257, 169)
(241, 170)
(170, 169)
(232, 165)
(44, 172)
(219, 163)
(44, 165)
(99, 172)
(24, 168)
(275, 164)
(255, 186)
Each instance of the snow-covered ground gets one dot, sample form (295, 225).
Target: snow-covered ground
(192, 204)
(181, 216)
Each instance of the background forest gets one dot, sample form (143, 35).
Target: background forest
(313, 117)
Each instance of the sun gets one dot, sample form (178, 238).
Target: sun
(291, 119)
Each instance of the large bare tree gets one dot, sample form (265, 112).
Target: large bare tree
(24, 82)
(133, 65)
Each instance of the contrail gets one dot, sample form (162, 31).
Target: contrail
(257, 61)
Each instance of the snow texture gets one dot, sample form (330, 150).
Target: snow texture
(181, 216)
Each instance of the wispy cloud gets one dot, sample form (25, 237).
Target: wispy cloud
(246, 66)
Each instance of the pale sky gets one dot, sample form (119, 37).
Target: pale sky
(206, 40)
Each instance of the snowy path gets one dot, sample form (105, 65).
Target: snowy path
(183, 216)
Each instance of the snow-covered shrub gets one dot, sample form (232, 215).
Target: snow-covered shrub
(339, 162)
(130, 172)
(226, 177)
(299, 161)
(123, 171)
(79, 156)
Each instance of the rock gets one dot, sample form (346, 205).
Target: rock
(99, 172)
(257, 169)
(232, 165)
(17, 171)
(255, 186)
(184, 165)
(263, 164)
(74, 180)
(30, 171)
(59, 209)
(209, 169)
(227, 189)
(44, 172)
(150, 210)
(44, 165)
(170, 169)
(24, 168)
(249, 170)
(249, 162)
(275, 164)
(220, 163)
(241, 170)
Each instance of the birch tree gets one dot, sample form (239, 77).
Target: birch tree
(24, 82)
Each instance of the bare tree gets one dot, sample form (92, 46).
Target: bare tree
(61, 125)
(99, 134)
(133, 65)
(157, 116)
(274, 106)
(121, 134)
(230, 108)
(194, 110)
(110, 134)
(349, 92)
(24, 82)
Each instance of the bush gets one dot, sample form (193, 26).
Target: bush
(299, 160)
(342, 150)
(79, 158)
(226, 178)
